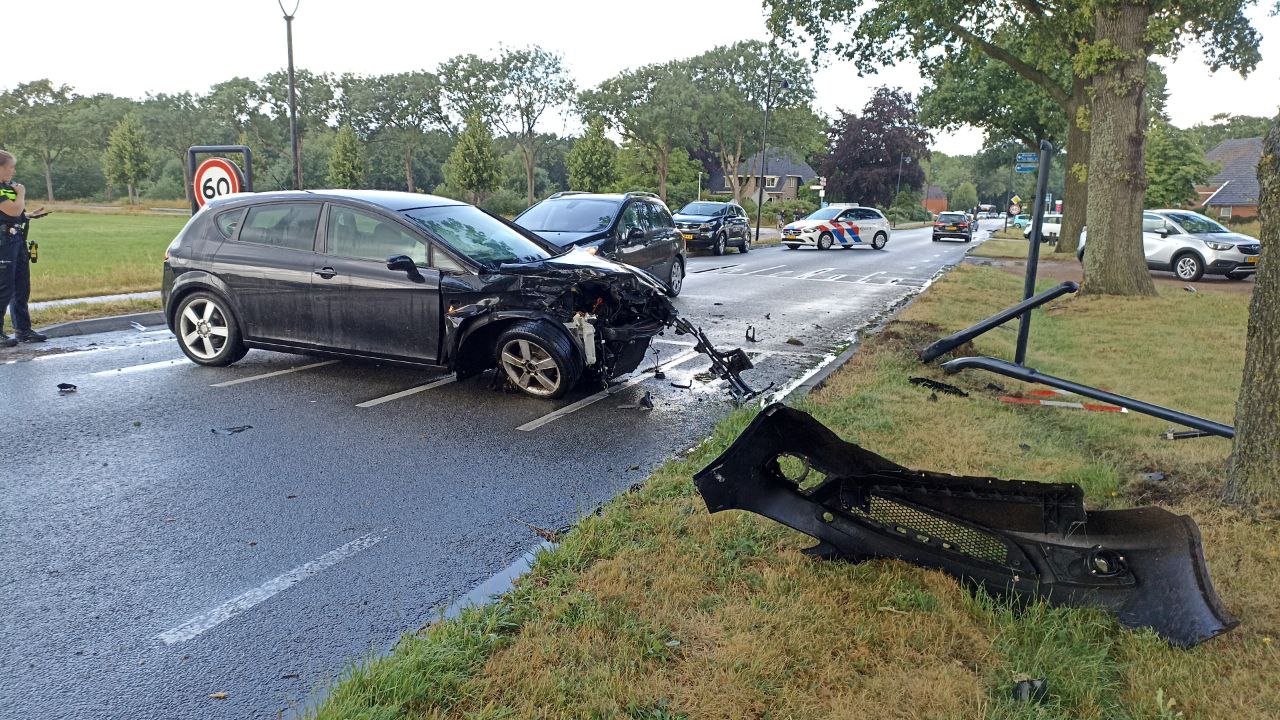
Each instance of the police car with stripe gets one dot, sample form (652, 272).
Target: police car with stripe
(838, 223)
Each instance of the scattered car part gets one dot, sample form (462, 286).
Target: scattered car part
(231, 430)
(1015, 538)
(1033, 690)
(751, 334)
(1172, 434)
(66, 388)
(727, 365)
(939, 386)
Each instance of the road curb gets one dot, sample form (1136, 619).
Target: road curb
(103, 324)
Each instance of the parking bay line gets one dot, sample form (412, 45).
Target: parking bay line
(238, 604)
(753, 272)
(264, 376)
(591, 399)
(406, 393)
(141, 368)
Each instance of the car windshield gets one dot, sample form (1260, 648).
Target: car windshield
(1194, 223)
(701, 208)
(826, 213)
(952, 217)
(570, 214)
(477, 235)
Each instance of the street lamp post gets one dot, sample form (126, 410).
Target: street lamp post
(898, 189)
(764, 143)
(699, 184)
(293, 96)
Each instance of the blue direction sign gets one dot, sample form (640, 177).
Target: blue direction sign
(1026, 167)
(1028, 157)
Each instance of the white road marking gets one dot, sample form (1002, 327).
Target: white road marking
(264, 376)
(834, 278)
(90, 351)
(811, 273)
(406, 393)
(753, 272)
(864, 279)
(592, 399)
(142, 368)
(236, 605)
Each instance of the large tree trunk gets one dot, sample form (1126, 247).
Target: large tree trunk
(1255, 459)
(1075, 196)
(48, 176)
(1114, 261)
(408, 167)
(530, 157)
(664, 166)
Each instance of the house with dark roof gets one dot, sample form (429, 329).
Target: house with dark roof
(1233, 192)
(784, 176)
(935, 201)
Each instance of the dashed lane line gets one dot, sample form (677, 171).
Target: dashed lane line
(406, 393)
(592, 399)
(264, 376)
(142, 368)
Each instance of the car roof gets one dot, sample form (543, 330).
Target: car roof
(386, 199)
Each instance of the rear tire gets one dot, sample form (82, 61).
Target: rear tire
(825, 240)
(879, 241)
(1188, 267)
(207, 330)
(538, 359)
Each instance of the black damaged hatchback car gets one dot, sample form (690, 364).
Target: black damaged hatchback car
(404, 278)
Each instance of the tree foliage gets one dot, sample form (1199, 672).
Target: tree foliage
(533, 82)
(472, 167)
(868, 154)
(1175, 164)
(593, 162)
(126, 160)
(346, 161)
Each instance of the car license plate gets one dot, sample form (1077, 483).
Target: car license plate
(951, 227)
(687, 236)
(1251, 259)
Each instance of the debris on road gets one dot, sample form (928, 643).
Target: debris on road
(218, 696)
(1028, 540)
(137, 326)
(66, 388)
(1034, 690)
(936, 385)
(1156, 476)
(794, 341)
(686, 386)
(644, 403)
(751, 334)
(231, 430)
(551, 536)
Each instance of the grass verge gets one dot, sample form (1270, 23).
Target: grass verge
(89, 311)
(651, 608)
(84, 254)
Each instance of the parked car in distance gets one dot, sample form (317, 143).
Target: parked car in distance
(635, 228)
(1191, 245)
(714, 226)
(1050, 229)
(403, 278)
(849, 224)
(952, 224)
(1021, 221)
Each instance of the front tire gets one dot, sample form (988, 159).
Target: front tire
(825, 240)
(745, 247)
(1188, 267)
(790, 246)
(675, 281)
(207, 330)
(538, 360)
(879, 241)
(717, 247)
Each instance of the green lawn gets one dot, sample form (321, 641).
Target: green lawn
(654, 609)
(83, 254)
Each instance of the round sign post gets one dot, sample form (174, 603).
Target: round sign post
(214, 178)
(1015, 209)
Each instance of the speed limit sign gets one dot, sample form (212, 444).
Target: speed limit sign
(216, 177)
(1015, 209)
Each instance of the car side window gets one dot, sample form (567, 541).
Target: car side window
(659, 218)
(1152, 223)
(631, 218)
(355, 234)
(440, 260)
(228, 221)
(287, 225)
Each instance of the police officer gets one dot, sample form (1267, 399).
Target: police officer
(15, 265)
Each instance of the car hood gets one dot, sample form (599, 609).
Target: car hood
(1229, 237)
(807, 224)
(565, 239)
(678, 217)
(578, 265)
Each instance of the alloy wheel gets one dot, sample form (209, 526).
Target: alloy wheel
(1187, 267)
(677, 276)
(203, 328)
(530, 367)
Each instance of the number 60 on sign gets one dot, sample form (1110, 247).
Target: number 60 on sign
(216, 177)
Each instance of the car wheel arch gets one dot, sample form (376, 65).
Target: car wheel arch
(1184, 252)
(202, 282)
(472, 351)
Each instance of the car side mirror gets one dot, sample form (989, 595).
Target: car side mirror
(1164, 232)
(405, 264)
(635, 233)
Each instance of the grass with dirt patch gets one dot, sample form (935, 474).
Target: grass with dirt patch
(86, 311)
(654, 609)
(84, 254)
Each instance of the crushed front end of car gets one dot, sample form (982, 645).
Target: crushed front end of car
(610, 310)
(1025, 539)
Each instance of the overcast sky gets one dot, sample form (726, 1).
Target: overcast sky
(135, 47)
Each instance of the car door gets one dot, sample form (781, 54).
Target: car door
(631, 248)
(741, 222)
(268, 267)
(361, 305)
(1157, 248)
(665, 241)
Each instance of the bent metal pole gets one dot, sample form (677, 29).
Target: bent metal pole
(1033, 252)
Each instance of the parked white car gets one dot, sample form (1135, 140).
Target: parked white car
(1049, 230)
(1191, 245)
(846, 224)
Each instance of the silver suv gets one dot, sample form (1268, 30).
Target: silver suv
(1189, 245)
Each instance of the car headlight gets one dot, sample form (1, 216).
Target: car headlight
(1218, 245)
(592, 249)
(706, 226)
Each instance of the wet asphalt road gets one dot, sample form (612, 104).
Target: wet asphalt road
(150, 562)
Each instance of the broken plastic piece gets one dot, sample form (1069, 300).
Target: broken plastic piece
(1026, 540)
(66, 388)
(939, 386)
(751, 334)
(137, 326)
(1031, 690)
(231, 430)
(1172, 434)
(727, 365)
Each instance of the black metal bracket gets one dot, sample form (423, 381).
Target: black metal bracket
(955, 340)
